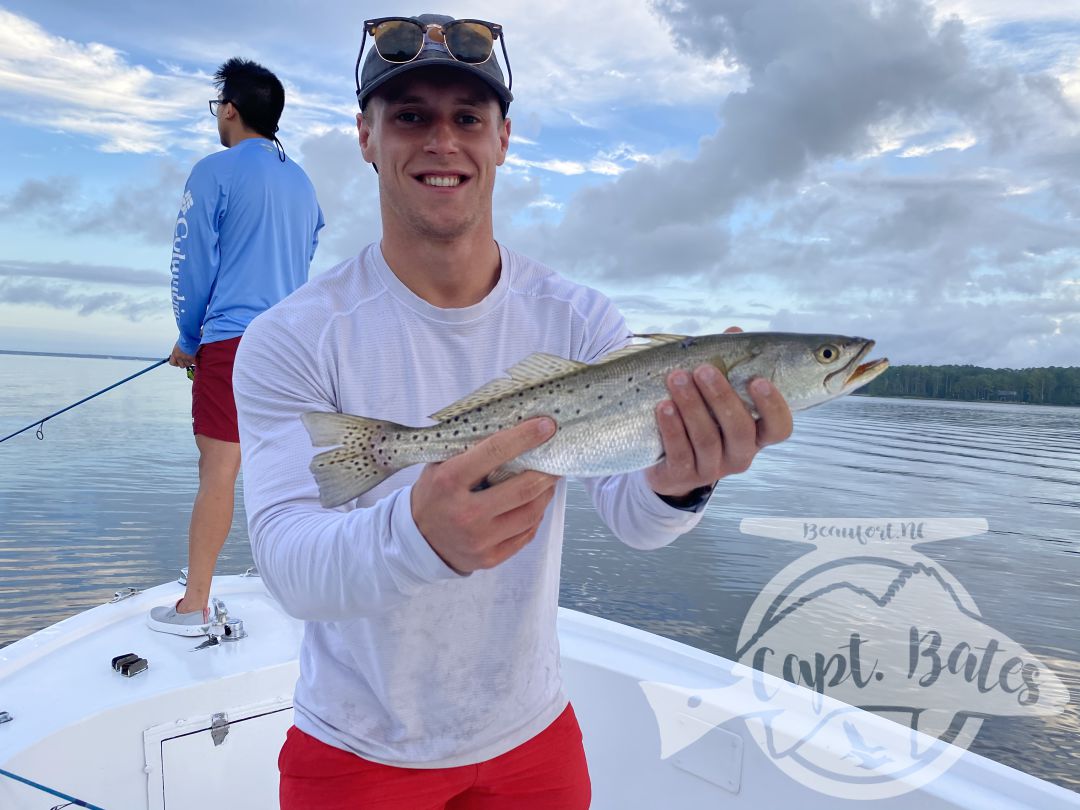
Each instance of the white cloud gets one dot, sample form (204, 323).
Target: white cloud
(89, 89)
(565, 167)
(588, 61)
(982, 13)
(1070, 82)
(546, 202)
(1025, 190)
(93, 90)
(607, 162)
(960, 141)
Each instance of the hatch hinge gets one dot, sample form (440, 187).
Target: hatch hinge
(219, 728)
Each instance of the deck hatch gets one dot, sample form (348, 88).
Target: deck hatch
(200, 761)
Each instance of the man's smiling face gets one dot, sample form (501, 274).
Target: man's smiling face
(437, 136)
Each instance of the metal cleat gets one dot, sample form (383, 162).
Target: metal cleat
(126, 593)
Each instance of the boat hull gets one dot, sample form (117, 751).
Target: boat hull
(205, 726)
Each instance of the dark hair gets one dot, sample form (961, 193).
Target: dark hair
(255, 92)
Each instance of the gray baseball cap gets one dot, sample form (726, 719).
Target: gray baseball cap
(377, 71)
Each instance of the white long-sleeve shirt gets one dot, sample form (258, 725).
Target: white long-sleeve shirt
(404, 661)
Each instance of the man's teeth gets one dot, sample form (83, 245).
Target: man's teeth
(433, 180)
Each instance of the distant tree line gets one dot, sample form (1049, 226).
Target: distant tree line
(1039, 386)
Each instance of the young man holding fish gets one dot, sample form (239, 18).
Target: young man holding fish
(430, 663)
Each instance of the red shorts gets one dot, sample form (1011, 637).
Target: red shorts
(546, 773)
(213, 409)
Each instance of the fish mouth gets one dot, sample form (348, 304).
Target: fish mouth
(857, 373)
(864, 372)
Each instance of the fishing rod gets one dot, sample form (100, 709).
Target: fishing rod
(41, 422)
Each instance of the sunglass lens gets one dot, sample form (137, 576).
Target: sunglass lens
(398, 40)
(469, 42)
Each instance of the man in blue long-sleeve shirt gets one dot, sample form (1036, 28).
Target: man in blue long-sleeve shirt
(247, 230)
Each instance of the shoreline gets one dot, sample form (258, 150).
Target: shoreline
(21, 353)
(951, 399)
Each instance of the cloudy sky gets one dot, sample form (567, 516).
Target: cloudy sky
(905, 170)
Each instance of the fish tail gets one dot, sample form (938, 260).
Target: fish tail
(359, 464)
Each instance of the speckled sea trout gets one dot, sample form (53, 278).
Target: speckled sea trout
(605, 411)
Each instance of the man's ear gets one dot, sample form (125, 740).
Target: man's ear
(504, 140)
(363, 132)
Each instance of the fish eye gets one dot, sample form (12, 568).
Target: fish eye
(827, 353)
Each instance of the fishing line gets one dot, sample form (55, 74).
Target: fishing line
(71, 800)
(40, 423)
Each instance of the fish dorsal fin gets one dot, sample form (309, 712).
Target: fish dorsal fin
(539, 367)
(652, 341)
(660, 338)
(535, 368)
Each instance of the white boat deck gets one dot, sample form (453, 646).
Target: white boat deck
(148, 741)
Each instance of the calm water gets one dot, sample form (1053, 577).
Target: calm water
(103, 502)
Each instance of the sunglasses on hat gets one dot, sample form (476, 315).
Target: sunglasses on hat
(401, 39)
(405, 43)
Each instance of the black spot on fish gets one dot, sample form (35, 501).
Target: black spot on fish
(688, 342)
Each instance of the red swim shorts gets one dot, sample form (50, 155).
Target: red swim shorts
(546, 773)
(213, 409)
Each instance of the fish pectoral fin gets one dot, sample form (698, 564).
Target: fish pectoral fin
(498, 475)
(536, 368)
